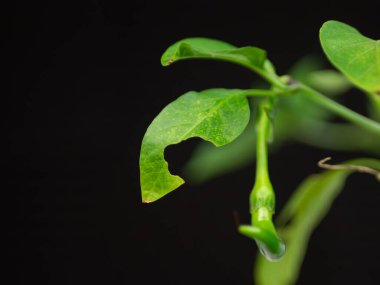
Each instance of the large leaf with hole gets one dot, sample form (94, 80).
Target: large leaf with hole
(354, 54)
(204, 48)
(303, 212)
(215, 115)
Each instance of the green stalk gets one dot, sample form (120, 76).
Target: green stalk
(264, 92)
(262, 193)
(262, 198)
(340, 110)
(267, 74)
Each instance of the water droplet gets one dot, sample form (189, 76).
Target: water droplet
(269, 254)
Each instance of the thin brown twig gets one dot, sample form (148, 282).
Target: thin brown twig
(358, 168)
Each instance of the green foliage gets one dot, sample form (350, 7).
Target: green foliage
(250, 57)
(192, 48)
(328, 82)
(303, 212)
(309, 127)
(215, 115)
(357, 56)
(293, 110)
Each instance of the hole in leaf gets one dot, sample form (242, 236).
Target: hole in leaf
(177, 155)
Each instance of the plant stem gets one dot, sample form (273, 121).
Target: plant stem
(340, 110)
(262, 198)
(263, 125)
(262, 194)
(269, 76)
(263, 92)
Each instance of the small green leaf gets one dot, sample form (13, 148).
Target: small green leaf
(301, 215)
(355, 55)
(329, 82)
(311, 71)
(192, 48)
(215, 115)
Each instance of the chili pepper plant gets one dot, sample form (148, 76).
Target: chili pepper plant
(297, 106)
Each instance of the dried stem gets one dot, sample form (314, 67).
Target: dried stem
(358, 168)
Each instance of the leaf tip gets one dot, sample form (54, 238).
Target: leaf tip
(332, 22)
(166, 59)
(147, 197)
(167, 62)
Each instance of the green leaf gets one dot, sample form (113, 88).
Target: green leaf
(215, 115)
(301, 215)
(304, 66)
(311, 71)
(355, 55)
(329, 82)
(192, 48)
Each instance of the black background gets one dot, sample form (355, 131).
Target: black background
(87, 81)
